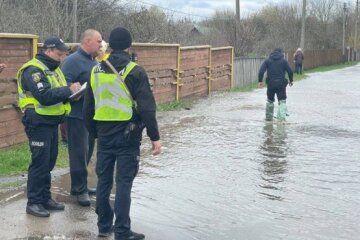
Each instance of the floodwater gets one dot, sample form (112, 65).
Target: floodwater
(226, 174)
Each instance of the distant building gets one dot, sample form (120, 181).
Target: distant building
(197, 31)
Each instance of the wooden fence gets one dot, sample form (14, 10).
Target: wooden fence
(15, 50)
(246, 69)
(175, 73)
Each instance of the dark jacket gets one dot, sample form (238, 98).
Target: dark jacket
(41, 89)
(276, 66)
(77, 68)
(138, 84)
(299, 58)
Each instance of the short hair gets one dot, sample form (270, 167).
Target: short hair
(87, 34)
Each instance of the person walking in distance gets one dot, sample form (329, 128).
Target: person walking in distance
(118, 105)
(276, 66)
(298, 61)
(76, 68)
(43, 94)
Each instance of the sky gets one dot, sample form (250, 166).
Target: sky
(198, 8)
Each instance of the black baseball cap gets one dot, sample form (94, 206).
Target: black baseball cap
(55, 42)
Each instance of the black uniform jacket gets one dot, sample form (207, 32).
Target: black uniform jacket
(138, 84)
(35, 81)
(276, 66)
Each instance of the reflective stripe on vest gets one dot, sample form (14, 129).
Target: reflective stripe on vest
(112, 101)
(56, 79)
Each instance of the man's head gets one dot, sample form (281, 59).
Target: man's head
(55, 48)
(120, 39)
(90, 42)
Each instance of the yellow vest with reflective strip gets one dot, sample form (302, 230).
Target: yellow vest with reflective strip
(56, 79)
(112, 97)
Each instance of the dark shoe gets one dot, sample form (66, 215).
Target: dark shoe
(52, 205)
(131, 236)
(83, 199)
(108, 233)
(92, 191)
(37, 210)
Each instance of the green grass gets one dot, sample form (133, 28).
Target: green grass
(246, 88)
(16, 159)
(174, 105)
(331, 67)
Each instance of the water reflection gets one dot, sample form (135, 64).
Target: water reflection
(274, 150)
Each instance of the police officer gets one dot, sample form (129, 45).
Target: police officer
(276, 66)
(109, 109)
(43, 93)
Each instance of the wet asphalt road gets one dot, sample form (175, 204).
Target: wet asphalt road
(226, 174)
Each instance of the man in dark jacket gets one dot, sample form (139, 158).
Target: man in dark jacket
(276, 67)
(77, 68)
(43, 95)
(110, 114)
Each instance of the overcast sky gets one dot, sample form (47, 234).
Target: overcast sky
(208, 7)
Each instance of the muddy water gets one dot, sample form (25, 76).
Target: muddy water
(226, 174)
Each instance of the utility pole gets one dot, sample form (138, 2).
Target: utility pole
(343, 37)
(303, 17)
(237, 25)
(355, 35)
(238, 10)
(75, 20)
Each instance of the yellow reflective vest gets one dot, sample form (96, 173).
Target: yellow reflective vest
(56, 79)
(113, 100)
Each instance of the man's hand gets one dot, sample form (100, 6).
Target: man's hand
(2, 67)
(74, 87)
(290, 83)
(260, 84)
(156, 147)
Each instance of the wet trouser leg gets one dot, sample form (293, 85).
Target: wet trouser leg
(78, 147)
(278, 87)
(269, 110)
(269, 113)
(110, 150)
(281, 95)
(43, 142)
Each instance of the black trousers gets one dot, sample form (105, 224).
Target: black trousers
(80, 147)
(110, 150)
(43, 142)
(277, 87)
(298, 68)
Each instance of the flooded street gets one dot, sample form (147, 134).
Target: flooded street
(227, 174)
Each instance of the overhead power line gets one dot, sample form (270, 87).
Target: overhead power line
(172, 10)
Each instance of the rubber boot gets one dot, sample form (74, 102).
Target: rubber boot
(282, 111)
(269, 112)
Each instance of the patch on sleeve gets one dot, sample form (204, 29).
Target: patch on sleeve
(37, 144)
(40, 86)
(36, 76)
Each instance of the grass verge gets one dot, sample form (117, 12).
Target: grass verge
(16, 159)
(174, 105)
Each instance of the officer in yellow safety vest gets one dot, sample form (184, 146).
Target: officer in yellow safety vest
(43, 94)
(118, 105)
